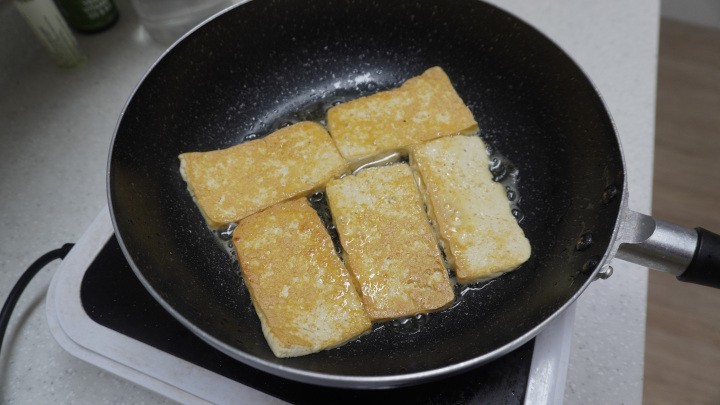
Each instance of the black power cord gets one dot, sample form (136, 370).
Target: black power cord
(24, 280)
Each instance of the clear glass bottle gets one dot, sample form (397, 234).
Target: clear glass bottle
(167, 20)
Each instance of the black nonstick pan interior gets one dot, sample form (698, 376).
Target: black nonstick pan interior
(269, 62)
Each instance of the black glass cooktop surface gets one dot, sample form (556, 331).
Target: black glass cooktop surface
(113, 297)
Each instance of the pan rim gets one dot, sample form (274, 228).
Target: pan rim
(367, 381)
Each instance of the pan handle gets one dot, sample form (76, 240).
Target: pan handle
(693, 255)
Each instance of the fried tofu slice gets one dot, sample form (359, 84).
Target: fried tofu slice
(232, 183)
(388, 243)
(481, 238)
(301, 290)
(423, 108)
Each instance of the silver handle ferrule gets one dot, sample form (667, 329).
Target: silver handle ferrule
(659, 245)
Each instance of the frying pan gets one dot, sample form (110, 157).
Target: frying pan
(264, 64)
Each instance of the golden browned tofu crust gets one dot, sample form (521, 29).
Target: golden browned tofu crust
(301, 291)
(423, 108)
(481, 237)
(232, 183)
(389, 245)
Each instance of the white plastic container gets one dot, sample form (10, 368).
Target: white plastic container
(51, 29)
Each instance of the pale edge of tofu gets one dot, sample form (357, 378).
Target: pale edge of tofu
(230, 184)
(302, 292)
(388, 243)
(471, 213)
(423, 108)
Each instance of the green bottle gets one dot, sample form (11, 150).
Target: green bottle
(88, 15)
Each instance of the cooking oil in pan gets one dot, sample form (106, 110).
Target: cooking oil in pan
(409, 325)
(224, 239)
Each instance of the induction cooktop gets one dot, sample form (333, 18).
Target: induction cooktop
(99, 312)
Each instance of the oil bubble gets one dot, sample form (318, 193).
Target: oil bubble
(227, 233)
(519, 215)
(316, 197)
(498, 168)
(250, 137)
(409, 325)
(585, 241)
(609, 194)
(591, 264)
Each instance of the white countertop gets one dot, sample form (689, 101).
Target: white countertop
(55, 131)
